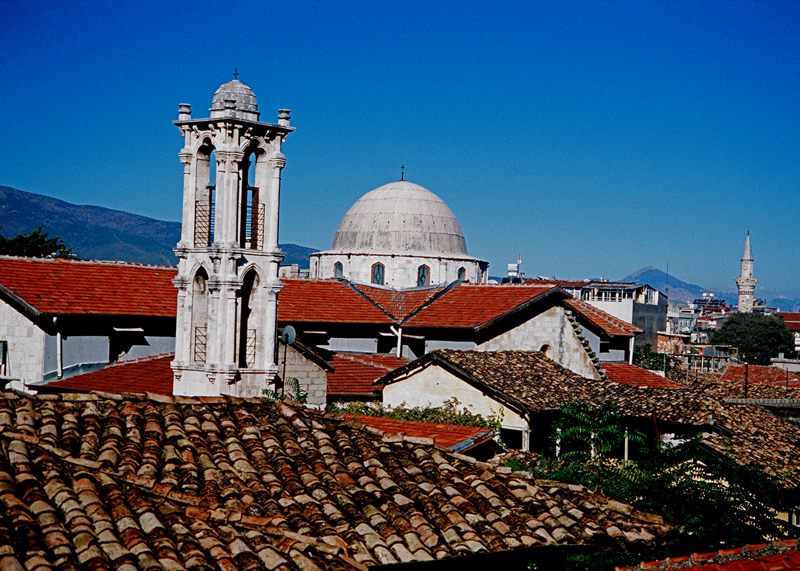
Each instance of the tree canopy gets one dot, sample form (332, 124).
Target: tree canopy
(758, 337)
(35, 244)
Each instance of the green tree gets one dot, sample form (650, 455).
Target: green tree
(758, 337)
(646, 358)
(35, 244)
(719, 504)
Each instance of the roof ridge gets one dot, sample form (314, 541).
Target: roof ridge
(139, 360)
(88, 262)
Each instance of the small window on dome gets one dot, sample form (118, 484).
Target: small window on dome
(462, 274)
(377, 274)
(338, 270)
(423, 276)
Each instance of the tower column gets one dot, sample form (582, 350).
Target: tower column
(278, 161)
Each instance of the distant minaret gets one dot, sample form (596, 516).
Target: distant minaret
(746, 281)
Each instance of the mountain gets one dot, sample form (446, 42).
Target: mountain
(683, 292)
(98, 233)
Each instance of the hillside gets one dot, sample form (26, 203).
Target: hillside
(98, 233)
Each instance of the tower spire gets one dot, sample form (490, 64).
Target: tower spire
(746, 282)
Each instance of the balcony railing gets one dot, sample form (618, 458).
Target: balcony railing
(203, 224)
(254, 227)
(200, 344)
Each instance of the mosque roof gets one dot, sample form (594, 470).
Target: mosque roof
(400, 218)
(246, 103)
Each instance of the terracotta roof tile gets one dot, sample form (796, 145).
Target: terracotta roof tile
(94, 481)
(473, 306)
(458, 438)
(760, 374)
(626, 374)
(775, 556)
(607, 322)
(399, 303)
(64, 286)
(325, 301)
(355, 373)
(150, 375)
(792, 320)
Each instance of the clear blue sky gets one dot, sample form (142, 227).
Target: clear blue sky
(593, 138)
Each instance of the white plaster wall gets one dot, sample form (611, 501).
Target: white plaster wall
(622, 309)
(400, 271)
(548, 328)
(25, 345)
(433, 385)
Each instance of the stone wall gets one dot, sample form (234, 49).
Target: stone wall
(552, 333)
(311, 376)
(25, 356)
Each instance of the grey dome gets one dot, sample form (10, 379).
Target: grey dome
(400, 217)
(245, 99)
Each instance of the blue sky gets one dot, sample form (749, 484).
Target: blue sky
(593, 138)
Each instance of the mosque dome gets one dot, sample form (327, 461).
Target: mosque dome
(244, 98)
(400, 218)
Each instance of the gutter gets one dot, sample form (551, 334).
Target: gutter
(26, 307)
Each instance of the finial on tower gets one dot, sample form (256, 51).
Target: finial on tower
(236, 73)
(402, 174)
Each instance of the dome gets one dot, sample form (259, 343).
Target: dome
(400, 217)
(245, 99)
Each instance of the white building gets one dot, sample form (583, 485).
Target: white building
(399, 235)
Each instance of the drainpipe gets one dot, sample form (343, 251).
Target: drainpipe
(59, 361)
(399, 332)
(630, 351)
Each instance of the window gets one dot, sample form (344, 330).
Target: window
(423, 276)
(338, 270)
(377, 274)
(462, 274)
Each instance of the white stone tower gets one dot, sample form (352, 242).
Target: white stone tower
(228, 254)
(746, 281)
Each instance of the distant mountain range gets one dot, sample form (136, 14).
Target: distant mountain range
(97, 233)
(682, 292)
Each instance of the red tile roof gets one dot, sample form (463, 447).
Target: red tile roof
(608, 323)
(325, 301)
(625, 374)
(775, 556)
(760, 374)
(400, 303)
(150, 375)
(64, 286)
(472, 306)
(457, 438)
(354, 374)
(792, 320)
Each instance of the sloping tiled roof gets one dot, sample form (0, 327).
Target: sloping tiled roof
(760, 374)
(150, 375)
(626, 374)
(602, 320)
(64, 286)
(354, 374)
(792, 320)
(399, 303)
(457, 438)
(473, 306)
(528, 379)
(126, 482)
(325, 301)
(775, 556)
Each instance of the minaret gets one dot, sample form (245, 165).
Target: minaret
(228, 253)
(746, 281)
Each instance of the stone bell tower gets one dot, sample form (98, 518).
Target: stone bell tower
(228, 253)
(746, 282)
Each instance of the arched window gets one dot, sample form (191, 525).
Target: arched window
(462, 274)
(199, 317)
(204, 196)
(377, 274)
(247, 329)
(423, 276)
(338, 270)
